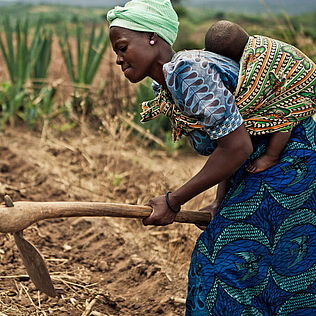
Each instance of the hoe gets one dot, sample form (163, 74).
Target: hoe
(18, 216)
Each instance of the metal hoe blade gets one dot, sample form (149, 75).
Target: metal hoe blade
(33, 261)
(35, 265)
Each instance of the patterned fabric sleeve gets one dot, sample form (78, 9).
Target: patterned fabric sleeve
(198, 90)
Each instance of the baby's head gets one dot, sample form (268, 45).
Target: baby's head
(227, 39)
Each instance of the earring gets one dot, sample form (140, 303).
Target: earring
(152, 42)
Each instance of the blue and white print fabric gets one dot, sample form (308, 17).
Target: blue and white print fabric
(202, 84)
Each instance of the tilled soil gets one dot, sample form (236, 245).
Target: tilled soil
(99, 266)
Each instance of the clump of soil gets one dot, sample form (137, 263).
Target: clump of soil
(99, 266)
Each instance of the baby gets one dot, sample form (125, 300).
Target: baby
(229, 39)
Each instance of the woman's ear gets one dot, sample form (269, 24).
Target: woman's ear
(153, 38)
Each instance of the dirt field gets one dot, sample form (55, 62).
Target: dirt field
(118, 266)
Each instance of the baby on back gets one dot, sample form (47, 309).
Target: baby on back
(229, 39)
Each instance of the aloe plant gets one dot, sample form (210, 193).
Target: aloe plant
(88, 57)
(22, 57)
(43, 61)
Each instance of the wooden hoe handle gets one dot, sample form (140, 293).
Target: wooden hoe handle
(23, 214)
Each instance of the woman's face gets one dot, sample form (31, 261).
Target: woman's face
(134, 53)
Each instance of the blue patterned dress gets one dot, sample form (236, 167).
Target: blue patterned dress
(257, 256)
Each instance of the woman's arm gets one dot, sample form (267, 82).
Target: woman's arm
(232, 151)
(222, 189)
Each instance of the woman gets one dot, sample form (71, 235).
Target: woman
(256, 257)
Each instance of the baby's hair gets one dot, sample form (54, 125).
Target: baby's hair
(227, 39)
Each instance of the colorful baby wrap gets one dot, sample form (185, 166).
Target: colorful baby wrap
(276, 86)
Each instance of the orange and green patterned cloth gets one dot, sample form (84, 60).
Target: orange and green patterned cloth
(276, 86)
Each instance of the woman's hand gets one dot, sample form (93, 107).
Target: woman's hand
(231, 152)
(161, 215)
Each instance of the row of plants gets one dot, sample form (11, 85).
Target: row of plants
(27, 52)
(30, 95)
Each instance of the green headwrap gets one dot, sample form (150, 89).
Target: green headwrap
(156, 16)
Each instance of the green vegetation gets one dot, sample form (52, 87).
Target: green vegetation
(82, 71)
(88, 56)
(30, 94)
(28, 57)
(22, 58)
